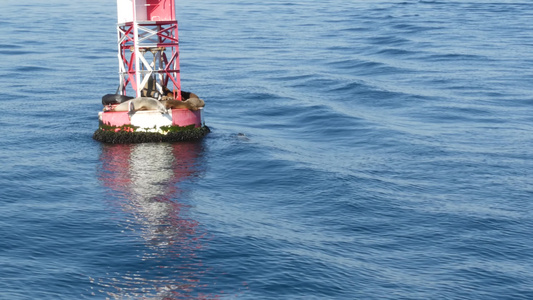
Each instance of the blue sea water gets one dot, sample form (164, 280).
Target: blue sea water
(359, 150)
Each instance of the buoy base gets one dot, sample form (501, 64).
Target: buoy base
(126, 137)
(150, 126)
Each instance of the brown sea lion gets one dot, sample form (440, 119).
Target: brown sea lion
(141, 103)
(150, 90)
(191, 103)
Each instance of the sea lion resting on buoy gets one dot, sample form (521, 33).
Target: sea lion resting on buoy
(193, 103)
(141, 103)
(148, 103)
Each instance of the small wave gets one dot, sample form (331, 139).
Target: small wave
(356, 29)
(355, 63)
(4, 46)
(396, 52)
(32, 69)
(456, 114)
(365, 67)
(388, 40)
(438, 57)
(16, 52)
(410, 28)
(292, 78)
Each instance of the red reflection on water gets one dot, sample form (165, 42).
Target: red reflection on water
(143, 183)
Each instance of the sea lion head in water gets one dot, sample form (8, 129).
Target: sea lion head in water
(141, 103)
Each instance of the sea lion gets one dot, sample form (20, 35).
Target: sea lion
(141, 103)
(151, 90)
(110, 99)
(191, 103)
(186, 95)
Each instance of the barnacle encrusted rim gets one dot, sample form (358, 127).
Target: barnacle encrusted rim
(171, 134)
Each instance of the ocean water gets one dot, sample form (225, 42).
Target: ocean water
(359, 150)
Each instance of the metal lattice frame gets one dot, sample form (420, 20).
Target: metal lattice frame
(137, 43)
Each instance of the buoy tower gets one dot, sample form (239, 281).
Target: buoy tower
(148, 45)
(149, 104)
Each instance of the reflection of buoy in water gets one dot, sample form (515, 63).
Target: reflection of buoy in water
(159, 110)
(144, 190)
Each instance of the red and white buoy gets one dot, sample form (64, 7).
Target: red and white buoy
(148, 54)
